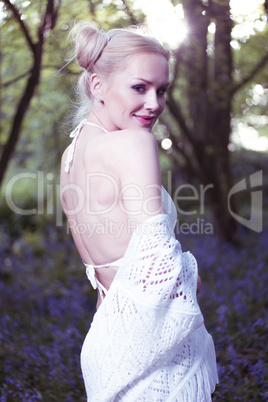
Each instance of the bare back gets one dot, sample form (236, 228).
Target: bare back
(113, 185)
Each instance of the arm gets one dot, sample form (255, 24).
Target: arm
(140, 176)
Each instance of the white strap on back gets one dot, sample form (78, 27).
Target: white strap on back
(91, 274)
(74, 135)
(90, 271)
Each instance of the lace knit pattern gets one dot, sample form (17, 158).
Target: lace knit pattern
(147, 341)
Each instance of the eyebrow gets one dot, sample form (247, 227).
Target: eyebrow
(149, 82)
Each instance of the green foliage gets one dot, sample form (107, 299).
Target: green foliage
(43, 138)
(48, 119)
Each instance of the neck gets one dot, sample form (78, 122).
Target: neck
(99, 117)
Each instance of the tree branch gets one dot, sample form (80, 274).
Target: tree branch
(133, 19)
(47, 23)
(194, 170)
(178, 53)
(177, 114)
(16, 14)
(10, 82)
(92, 8)
(251, 75)
(265, 5)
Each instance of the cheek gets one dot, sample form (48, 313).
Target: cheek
(120, 99)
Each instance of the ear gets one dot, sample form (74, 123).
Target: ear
(96, 86)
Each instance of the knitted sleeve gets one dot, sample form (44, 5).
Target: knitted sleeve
(150, 317)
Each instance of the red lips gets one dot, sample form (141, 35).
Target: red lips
(145, 120)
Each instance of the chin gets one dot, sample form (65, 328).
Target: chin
(149, 129)
(146, 127)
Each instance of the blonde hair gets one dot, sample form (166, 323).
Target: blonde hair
(105, 52)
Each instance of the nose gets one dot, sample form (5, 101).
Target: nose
(152, 101)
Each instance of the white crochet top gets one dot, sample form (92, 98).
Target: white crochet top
(90, 269)
(147, 341)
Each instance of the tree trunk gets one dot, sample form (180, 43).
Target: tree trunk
(219, 122)
(47, 23)
(19, 116)
(207, 122)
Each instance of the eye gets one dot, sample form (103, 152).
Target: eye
(161, 91)
(140, 88)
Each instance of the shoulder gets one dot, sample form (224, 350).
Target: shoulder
(139, 174)
(123, 152)
(136, 156)
(134, 143)
(135, 136)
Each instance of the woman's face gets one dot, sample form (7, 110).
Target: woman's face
(134, 97)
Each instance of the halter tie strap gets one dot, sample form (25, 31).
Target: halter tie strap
(74, 135)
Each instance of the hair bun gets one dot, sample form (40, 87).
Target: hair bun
(90, 43)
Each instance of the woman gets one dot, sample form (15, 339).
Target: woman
(147, 341)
